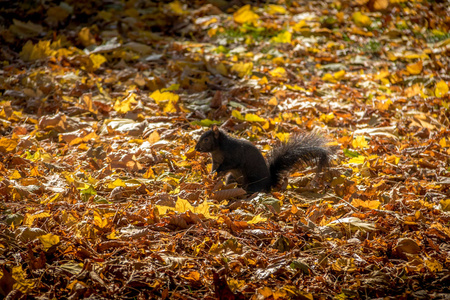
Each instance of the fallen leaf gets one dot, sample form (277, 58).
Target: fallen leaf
(407, 245)
(441, 89)
(415, 68)
(361, 19)
(49, 240)
(245, 15)
(242, 69)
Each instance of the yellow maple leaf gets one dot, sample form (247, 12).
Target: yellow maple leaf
(116, 183)
(441, 89)
(149, 174)
(112, 236)
(257, 219)
(339, 74)
(21, 282)
(299, 26)
(254, 118)
(382, 74)
(273, 9)
(212, 31)
(170, 107)
(242, 69)
(236, 284)
(295, 87)
(86, 100)
(164, 96)
(414, 90)
(445, 204)
(177, 8)
(263, 80)
(326, 118)
(245, 15)
(415, 69)
(361, 19)
(391, 56)
(266, 292)
(359, 142)
(48, 240)
(99, 220)
(357, 160)
(273, 101)
(413, 55)
(279, 60)
(32, 52)
(393, 159)
(278, 72)
(28, 221)
(344, 264)
(283, 37)
(202, 208)
(283, 136)
(328, 77)
(433, 265)
(125, 105)
(384, 105)
(237, 114)
(97, 60)
(34, 171)
(7, 145)
(15, 175)
(182, 206)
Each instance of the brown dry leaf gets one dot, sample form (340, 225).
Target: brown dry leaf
(6, 282)
(78, 137)
(228, 193)
(56, 122)
(406, 245)
(28, 29)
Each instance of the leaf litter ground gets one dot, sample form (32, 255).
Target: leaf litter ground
(104, 197)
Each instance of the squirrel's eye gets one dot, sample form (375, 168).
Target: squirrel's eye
(206, 139)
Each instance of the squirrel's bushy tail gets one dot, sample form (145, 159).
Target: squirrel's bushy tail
(302, 148)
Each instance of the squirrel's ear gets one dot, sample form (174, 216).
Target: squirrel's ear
(215, 130)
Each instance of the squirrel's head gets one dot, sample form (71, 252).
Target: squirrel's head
(209, 141)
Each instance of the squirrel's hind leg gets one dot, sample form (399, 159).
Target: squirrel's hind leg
(235, 176)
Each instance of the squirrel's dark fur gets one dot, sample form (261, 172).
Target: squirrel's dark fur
(247, 165)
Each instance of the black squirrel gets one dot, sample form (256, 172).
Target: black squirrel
(247, 165)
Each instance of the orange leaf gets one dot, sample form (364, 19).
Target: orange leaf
(7, 145)
(371, 204)
(415, 69)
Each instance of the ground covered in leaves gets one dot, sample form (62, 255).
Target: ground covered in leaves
(102, 193)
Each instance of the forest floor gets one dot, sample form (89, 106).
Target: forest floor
(104, 197)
